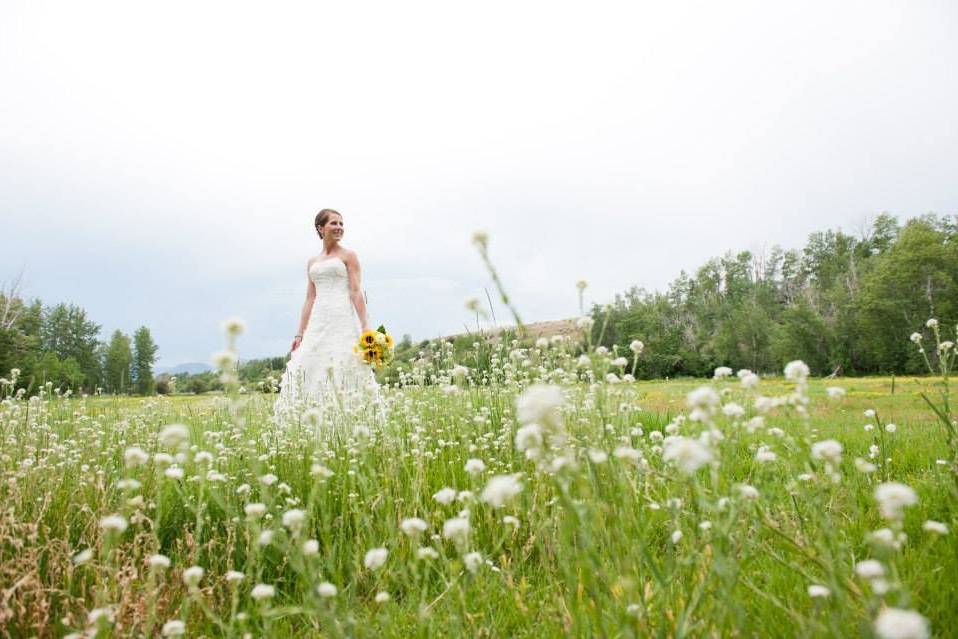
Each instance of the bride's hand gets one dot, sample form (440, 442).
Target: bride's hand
(296, 342)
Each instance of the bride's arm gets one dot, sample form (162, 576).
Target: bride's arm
(356, 289)
(307, 308)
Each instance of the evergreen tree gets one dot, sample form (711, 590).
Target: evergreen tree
(67, 333)
(143, 358)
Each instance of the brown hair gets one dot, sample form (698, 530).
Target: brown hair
(322, 217)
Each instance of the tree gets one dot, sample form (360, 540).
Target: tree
(117, 365)
(143, 358)
(67, 332)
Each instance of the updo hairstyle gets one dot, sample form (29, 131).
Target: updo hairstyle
(322, 217)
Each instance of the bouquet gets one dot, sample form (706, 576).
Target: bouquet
(375, 347)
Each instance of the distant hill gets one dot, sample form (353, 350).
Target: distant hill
(548, 328)
(190, 368)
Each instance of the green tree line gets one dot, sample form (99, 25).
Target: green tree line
(844, 304)
(61, 345)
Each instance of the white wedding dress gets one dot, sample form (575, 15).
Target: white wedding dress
(325, 382)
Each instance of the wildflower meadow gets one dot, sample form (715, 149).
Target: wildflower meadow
(553, 497)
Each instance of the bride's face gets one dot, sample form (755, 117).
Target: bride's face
(333, 228)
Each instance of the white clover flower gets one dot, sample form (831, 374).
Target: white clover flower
(233, 326)
(375, 558)
(135, 456)
(796, 371)
(893, 498)
(764, 455)
(203, 457)
(703, 398)
(312, 417)
(870, 569)
(722, 372)
(687, 454)
(540, 404)
(266, 537)
(326, 590)
(413, 526)
(172, 435)
(159, 561)
(472, 561)
(935, 527)
(106, 614)
(627, 453)
(445, 496)
(897, 623)
(585, 323)
(529, 439)
(425, 552)
(890, 428)
(382, 597)
(163, 459)
(620, 361)
(294, 519)
(456, 529)
(262, 591)
(113, 523)
(173, 628)
(835, 392)
(637, 347)
(509, 520)
(750, 380)
(193, 575)
(318, 470)
(864, 466)
(676, 536)
(475, 466)
(598, 456)
(254, 510)
(916, 338)
(500, 489)
(82, 557)
(869, 413)
(268, 479)
(581, 284)
(883, 537)
(733, 410)
(829, 450)
(817, 591)
(174, 472)
(310, 547)
(234, 576)
(224, 360)
(747, 491)
(481, 239)
(932, 323)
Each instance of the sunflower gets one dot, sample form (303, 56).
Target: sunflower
(389, 341)
(370, 355)
(368, 338)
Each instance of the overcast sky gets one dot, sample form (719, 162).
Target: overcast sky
(161, 163)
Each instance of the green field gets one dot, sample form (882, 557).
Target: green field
(593, 549)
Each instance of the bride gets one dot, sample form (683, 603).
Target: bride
(324, 373)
